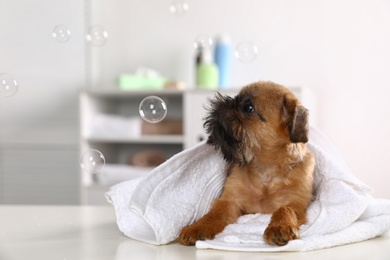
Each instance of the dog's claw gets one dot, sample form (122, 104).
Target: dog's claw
(293, 234)
(279, 236)
(186, 239)
(189, 235)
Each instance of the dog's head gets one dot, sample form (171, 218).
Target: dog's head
(263, 116)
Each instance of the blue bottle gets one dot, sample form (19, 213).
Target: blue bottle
(223, 58)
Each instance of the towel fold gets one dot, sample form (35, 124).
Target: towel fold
(155, 208)
(178, 192)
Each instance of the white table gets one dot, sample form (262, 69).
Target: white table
(90, 232)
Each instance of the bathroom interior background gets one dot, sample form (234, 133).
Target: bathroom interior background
(340, 50)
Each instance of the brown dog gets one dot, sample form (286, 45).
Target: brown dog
(262, 134)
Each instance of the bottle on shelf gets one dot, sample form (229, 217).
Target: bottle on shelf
(223, 59)
(207, 71)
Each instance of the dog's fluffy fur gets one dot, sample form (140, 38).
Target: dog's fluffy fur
(262, 134)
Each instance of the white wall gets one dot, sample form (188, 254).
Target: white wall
(339, 49)
(39, 124)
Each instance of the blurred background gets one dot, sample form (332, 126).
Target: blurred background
(56, 50)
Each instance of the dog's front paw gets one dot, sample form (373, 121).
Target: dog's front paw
(189, 235)
(280, 235)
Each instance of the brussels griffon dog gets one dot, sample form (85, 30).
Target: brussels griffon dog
(262, 134)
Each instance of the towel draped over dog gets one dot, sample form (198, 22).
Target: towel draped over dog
(155, 208)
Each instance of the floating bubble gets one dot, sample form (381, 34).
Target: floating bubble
(61, 33)
(8, 85)
(92, 161)
(153, 109)
(203, 41)
(246, 52)
(96, 35)
(179, 7)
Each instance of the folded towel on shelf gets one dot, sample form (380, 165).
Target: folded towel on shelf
(114, 127)
(155, 208)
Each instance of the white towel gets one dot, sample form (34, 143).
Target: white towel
(176, 193)
(113, 127)
(180, 191)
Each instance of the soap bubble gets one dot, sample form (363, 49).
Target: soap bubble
(179, 7)
(92, 161)
(8, 85)
(96, 35)
(246, 52)
(203, 41)
(153, 109)
(61, 33)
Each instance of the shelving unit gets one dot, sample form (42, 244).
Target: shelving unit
(186, 105)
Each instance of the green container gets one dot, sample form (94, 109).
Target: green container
(207, 76)
(134, 82)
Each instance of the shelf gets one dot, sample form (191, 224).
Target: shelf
(117, 93)
(145, 139)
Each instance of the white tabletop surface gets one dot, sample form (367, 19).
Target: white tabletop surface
(90, 232)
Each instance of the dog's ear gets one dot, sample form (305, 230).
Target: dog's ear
(296, 119)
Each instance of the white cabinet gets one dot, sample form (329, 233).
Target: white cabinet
(117, 141)
(110, 122)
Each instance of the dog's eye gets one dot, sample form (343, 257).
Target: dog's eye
(248, 107)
